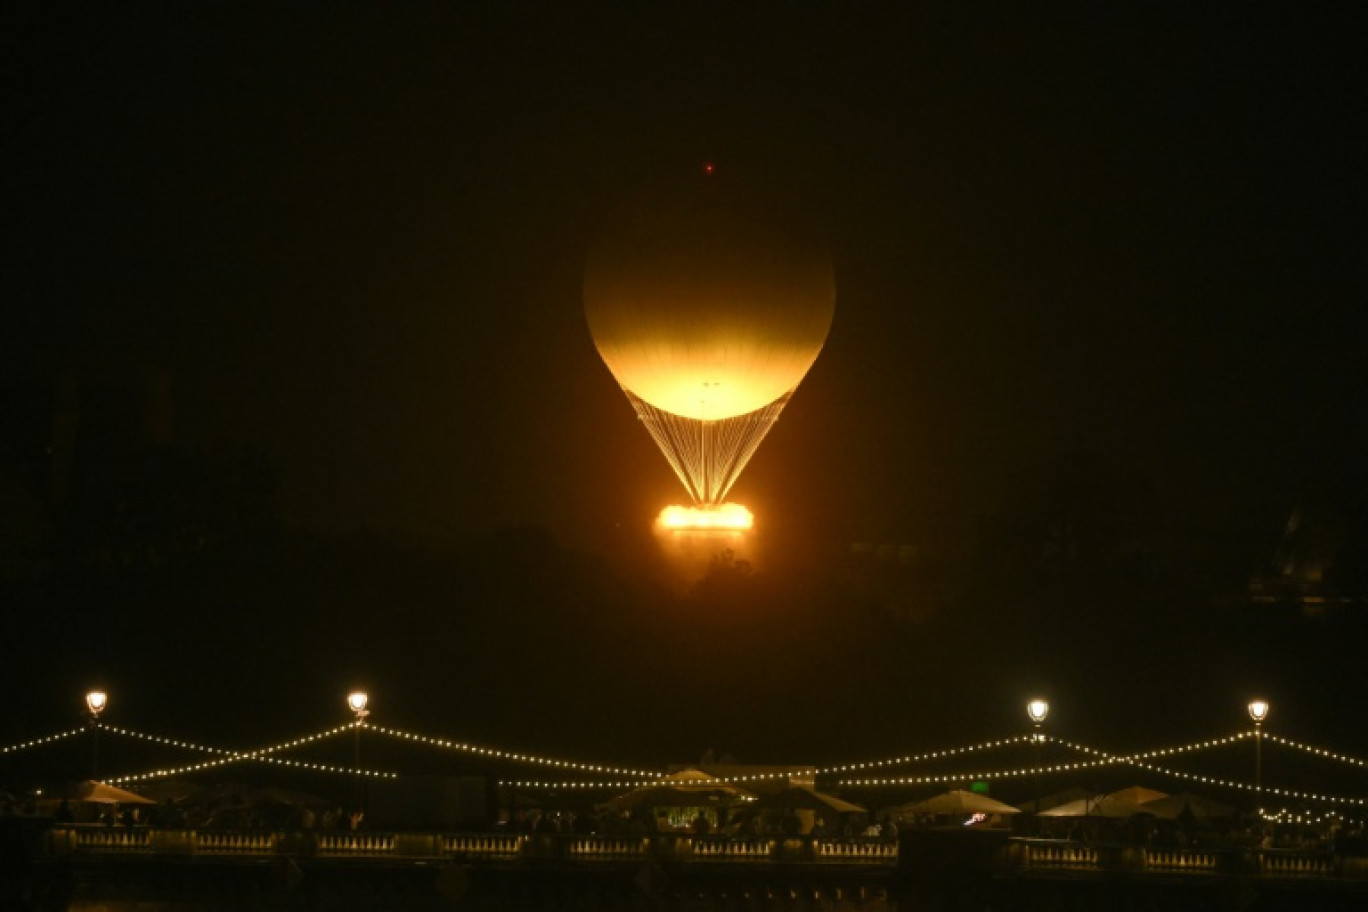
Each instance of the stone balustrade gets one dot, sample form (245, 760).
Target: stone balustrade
(1021, 856)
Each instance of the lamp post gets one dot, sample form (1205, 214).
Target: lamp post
(96, 701)
(356, 702)
(1037, 709)
(1258, 711)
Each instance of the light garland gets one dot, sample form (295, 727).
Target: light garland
(930, 755)
(1305, 817)
(37, 742)
(814, 772)
(640, 778)
(569, 784)
(1106, 759)
(1317, 751)
(1139, 759)
(262, 755)
(1163, 751)
(508, 755)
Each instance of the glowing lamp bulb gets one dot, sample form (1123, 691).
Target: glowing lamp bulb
(356, 702)
(1037, 710)
(1258, 710)
(722, 518)
(96, 701)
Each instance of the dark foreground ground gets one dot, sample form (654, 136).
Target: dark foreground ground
(184, 885)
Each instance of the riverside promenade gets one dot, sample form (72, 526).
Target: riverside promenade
(79, 868)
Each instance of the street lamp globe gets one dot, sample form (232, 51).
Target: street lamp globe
(1038, 709)
(96, 701)
(356, 702)
(1258, 710)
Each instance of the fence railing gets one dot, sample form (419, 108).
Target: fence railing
(1180, 860)
(1016, 855)
(1313, 863)
(1063, 855)
(588, 848)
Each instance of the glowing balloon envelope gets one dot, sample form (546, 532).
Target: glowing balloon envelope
(709, 306)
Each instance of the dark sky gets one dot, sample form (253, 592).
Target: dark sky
(356, 241)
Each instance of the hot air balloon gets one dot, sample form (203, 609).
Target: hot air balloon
(708, 303)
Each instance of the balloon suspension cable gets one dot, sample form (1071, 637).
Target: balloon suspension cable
(708, 456)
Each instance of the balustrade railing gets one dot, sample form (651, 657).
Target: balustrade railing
(1181, 860)
(579, 847)
(1022, 855)
(608, 847)
(855, 850)
(230, 843)
(350, 843)
(483, 845)
(111, 840)
(1290, 864)
(1060, 855)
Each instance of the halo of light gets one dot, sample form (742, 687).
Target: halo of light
(728, 517)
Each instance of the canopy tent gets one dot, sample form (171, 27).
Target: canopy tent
(1101, 806)
(957, 801)
(102, 793)
(792, 810)
(1138, 794)
(1173, 807)
(1054, 799)
(238, 804)
(685, 789)
(169, 789)
(799, 798)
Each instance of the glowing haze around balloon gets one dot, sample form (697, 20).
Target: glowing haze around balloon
(708, 304)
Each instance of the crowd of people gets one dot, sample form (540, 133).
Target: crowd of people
(742, 822)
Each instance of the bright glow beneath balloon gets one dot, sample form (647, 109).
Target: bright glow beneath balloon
(727, 517)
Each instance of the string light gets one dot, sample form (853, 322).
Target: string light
(508, 755)
(627, 784)
(930, 755)
(1139, 759)
(1104, 759)
(36, 742)
(632, 778)
(1306, 817)
(262, 755)
(1317, 751)
(815, 772)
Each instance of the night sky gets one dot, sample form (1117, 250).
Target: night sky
(1120, 243)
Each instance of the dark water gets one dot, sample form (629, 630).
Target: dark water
(277, 885)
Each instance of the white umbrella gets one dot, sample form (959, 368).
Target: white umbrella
(1138, 794)
(687, 788)
(958, 801)
(805, 799)
(1172, 807)
(1102, 806)
(103, 793)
